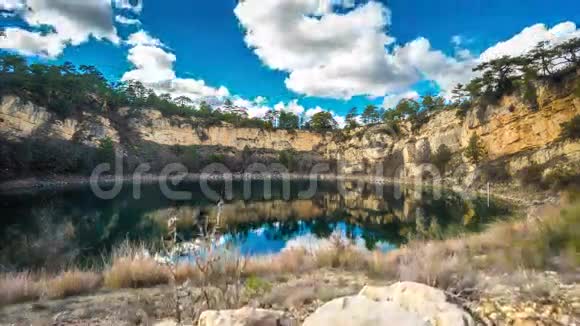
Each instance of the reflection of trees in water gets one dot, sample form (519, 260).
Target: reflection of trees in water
(363, 214)
(62, 227)
(49, 244)
(68, 231)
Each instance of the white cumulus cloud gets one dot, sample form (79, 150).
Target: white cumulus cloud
(434, 65)
(135, 6)
(260, 100)
(31, 43)
(126, 20)
(391, 101)
(291, 106)
(255, 108)
(72, 22)
(143, 38)
(529, 37)
(340, 55)
(333, 55)
(12, 5)
(153, 66)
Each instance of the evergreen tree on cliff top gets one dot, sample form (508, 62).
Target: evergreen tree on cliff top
(370, 115)
(350, 119)
(475, 151)
(322, 121)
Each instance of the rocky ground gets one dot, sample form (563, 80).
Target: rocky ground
(504, 302)
(296, 295)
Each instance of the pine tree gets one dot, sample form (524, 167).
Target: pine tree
(475, 151)
(351, 121)
(370, 115)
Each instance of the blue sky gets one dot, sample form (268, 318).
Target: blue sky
(428, 45)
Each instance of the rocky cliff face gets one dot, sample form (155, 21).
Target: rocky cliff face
(510, 130)
(152, 126)
(19, 119)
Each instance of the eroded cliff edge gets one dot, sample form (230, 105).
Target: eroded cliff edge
(515, 135)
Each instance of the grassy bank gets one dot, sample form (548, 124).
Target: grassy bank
(545, 240)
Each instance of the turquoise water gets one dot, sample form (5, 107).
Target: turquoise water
(50, 229)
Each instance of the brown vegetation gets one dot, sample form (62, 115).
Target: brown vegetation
(546, 240)
(73, 282)
(132, 267)
(19, 287)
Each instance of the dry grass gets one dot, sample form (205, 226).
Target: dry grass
(287, 262)
(72, 283)
(382, 265)
(131, 266)
(549, 241)
(185, 272)
(135, 272)
(437, 266)
(20, 287)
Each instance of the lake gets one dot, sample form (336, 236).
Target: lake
(50, 229)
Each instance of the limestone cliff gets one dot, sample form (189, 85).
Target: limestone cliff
(20, 119)
(511, 131)
(152, 126)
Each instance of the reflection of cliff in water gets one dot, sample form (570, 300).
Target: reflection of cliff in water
(55, 228)
(390, 216)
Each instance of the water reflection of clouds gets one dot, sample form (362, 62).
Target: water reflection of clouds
(260, 241)
(312, 243)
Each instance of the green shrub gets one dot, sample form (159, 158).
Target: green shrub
(495, 172)
(390, 127)
(532, 175)
(562, 178)
(106, 151)
(558, 238)
(475, 151)
(217, 158)
(530, 94)
(418, 120)
(247, 153)
(462, 109)
(340, 136)
(255, 285)
(441, 158)
(190, 157)
(571, 129)
(288, 159)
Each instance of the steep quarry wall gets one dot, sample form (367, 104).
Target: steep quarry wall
(511, 126)
(152, 126)
(24, 119)
(509, 129)
(19, 119)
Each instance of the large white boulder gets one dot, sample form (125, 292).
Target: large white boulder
(361, 311)
(425, 301)
(244, 317)
(405, 304)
